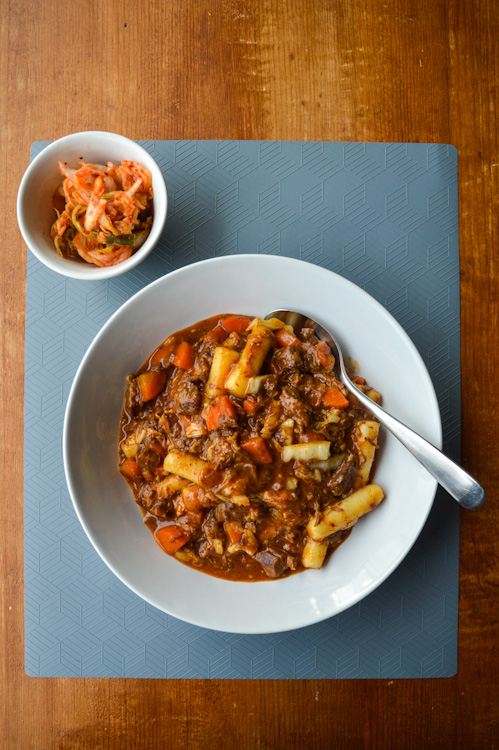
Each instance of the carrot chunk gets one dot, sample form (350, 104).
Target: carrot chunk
(130, 469)
(151, 383)
(258, 450)
(324, 354)
(234, 531)
(237, 323)
(333, 397)
(184, 356)
(220, 333)
(170, 538)
(160, 356)
(251, 406)
(267, 531)
(223, 407)
(285, 338)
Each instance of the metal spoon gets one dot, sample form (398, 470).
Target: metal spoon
(452, 477)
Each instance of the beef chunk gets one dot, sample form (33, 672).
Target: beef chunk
(146, 496)
(223, 512)
(292, 377)
(287, 358)
(318, 357)
(310, 358)
(133, 399)
(308, 334)
(210, 477)
(272, 561)
(312, 390)
(207, 344)
(210, 525)
(148, 460)
(342, 479)
(201, 369)
(234, 341)
(219, 451)
(150, 455)
(187, 397)
(269, 385)
(292, 405)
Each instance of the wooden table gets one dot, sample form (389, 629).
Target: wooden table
(267, 69)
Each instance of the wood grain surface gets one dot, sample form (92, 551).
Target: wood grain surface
(398, 70)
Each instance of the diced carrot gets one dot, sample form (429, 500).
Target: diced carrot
(251, 406)
(234, 531)
(333, 397)
(160, 356)
(285, 338)
(129, 468)
(184, 356)
(170, 538)
(215, 336)
(258, 450)
(267, 531)
(324, 354)
(221, 333)
(151, 383)
(223, 407)
(195, 517)
(237, 323)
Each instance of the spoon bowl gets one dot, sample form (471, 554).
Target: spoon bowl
(452, 477)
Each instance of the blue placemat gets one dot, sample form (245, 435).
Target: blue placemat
(383, 215)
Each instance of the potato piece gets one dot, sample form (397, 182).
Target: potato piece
(254, 384)
(170, 486)
(365, 440)
(374, 395)
(314, 553)
(333, 417)
(331, 464)
(130, 446)
(306, 451)
(249, 363)
(285, 433)
(274, 324)
(223, 360)
(185, 465)
(217, 546)
(239, 499)
(346, 513)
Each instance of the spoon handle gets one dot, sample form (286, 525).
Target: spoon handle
(458, 483)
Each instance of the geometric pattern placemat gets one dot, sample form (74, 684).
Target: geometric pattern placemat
(384, 216)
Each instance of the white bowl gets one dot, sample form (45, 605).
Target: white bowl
(254, 285)
(35, 213)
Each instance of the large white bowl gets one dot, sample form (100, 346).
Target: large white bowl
(35, 213)
(253, 285)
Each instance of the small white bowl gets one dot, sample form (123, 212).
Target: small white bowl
(35, 212)
(253, 285)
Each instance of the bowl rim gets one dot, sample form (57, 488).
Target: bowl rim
(434, 410)
(89, 272)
